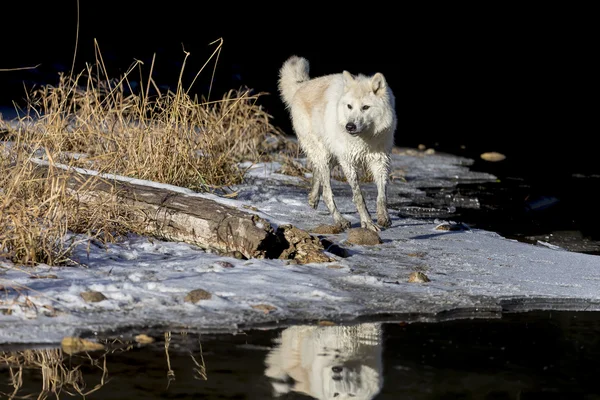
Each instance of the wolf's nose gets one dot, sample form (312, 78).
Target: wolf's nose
(351, 127)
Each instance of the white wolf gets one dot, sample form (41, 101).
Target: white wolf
(346, 120)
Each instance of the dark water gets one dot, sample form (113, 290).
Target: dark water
(532, 201)
(535, 355)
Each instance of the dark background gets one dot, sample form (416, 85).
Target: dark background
(468, 78)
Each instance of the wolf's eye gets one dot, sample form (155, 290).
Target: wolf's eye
(350, 106)
(365, 107)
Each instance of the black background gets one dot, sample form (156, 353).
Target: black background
(516, 79)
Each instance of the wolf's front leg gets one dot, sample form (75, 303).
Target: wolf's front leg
(379, 164)
(324, 177)
(351, 172)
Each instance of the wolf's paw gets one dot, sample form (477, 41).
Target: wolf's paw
(343, 223)
(384, 222)
(370, 226)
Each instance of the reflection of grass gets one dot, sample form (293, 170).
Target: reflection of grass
(58, 372)
(61, 373)
(199, 369)
(170, 372)
(93, 121)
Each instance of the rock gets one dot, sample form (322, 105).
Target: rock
(492, 156)
(196, 295)
(452, 226)
(301, 246)
(327, 229)
(142, 338)
(224, 264)
(92, 296)
(418, 277)
(363, 236)
(418, 254)
(266, 308)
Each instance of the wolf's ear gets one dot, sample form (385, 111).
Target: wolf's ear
(348, 78)
(378, 84)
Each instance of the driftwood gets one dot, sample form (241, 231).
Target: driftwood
(176, 216)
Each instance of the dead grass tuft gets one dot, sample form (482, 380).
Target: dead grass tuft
(93, 121)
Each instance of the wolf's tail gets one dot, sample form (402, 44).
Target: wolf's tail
(291, 76)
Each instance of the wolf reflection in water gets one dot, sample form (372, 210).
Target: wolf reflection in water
(328, 362)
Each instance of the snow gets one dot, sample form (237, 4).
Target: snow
(145, 280)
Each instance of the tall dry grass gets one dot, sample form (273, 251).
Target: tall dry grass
(93, 121)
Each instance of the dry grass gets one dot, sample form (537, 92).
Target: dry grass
(92, 121)
(38, 212)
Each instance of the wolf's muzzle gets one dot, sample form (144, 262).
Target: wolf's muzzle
(351, 128)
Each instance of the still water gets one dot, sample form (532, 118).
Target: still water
(534, 355)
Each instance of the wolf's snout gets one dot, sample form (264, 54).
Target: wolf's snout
(351, 127)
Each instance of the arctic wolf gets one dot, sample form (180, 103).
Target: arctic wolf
(342, 119)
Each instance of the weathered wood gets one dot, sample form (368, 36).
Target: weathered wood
(172, 215)
(192, 219)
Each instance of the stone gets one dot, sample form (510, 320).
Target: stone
(196, 295)
(327, 229)
(266, 308)
(418, 277)
(142, 338)
(92, 296)
(224, 264)
(363, 236)
(301, 246)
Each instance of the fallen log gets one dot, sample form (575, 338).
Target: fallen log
(174, 215)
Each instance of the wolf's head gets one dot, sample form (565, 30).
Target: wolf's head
(367, 104)
(351, 380)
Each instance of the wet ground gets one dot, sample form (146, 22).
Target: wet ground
(530, 202)
(525, 356)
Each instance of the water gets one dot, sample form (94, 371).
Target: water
(533, 201)
(534, 355)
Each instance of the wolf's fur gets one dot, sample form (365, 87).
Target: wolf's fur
(346, 120)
